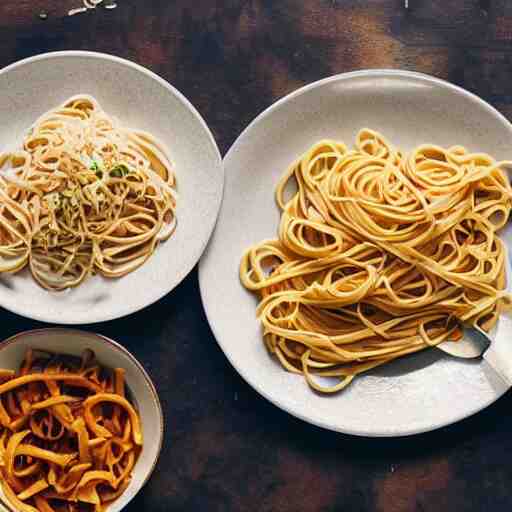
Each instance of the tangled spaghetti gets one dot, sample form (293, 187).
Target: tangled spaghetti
(69, 436)
(83, 195)
(379, 255)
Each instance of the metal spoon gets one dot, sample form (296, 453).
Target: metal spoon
(474, 343)
(495, 349)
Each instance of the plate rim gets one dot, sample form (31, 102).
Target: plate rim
(381, 73)
(104, 317)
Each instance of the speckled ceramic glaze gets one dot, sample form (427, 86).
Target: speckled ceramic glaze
(412, 395)
(142, 100)
(112, 355)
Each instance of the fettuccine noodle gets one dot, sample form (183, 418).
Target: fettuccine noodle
(379, 255)
(83, 195)
(69, 436)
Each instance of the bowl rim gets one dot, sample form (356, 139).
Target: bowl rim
(203, 286)
(114, 345)
(187, 269)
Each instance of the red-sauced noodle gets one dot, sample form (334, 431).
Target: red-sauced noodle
(69, 437)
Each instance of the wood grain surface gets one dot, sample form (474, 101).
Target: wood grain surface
(226, 448)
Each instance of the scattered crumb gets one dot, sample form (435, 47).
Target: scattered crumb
(79, 10)
(92, 4)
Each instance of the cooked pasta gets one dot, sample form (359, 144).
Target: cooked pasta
(379, 255)
(69, 436)
(83, 195)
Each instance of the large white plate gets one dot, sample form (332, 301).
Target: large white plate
(412, 395)
(142, 100)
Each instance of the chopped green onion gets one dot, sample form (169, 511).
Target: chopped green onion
(98, 159)
(119, 171)
(53, 200)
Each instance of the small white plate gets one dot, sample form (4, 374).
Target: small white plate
(111, 355)
(412, 395)
(142, 100)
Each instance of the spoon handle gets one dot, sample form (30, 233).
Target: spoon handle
(499, 354)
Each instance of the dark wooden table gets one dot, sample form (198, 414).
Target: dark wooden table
(226, 448)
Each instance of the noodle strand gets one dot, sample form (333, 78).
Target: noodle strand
(379, 255)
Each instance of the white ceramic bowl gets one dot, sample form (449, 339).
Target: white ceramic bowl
(112, 355)
(414, 394)
(140, 99)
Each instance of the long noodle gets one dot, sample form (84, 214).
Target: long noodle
(84, 195)
(69, 438)
(379, 255)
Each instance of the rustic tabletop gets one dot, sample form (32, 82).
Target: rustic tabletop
(226, 448)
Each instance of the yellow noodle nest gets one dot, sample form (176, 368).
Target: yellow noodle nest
(379, 255)
(84, 194)
(69, 437)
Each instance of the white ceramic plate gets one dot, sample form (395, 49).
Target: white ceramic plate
(111, 355)
(140, 99)
(412, 395)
